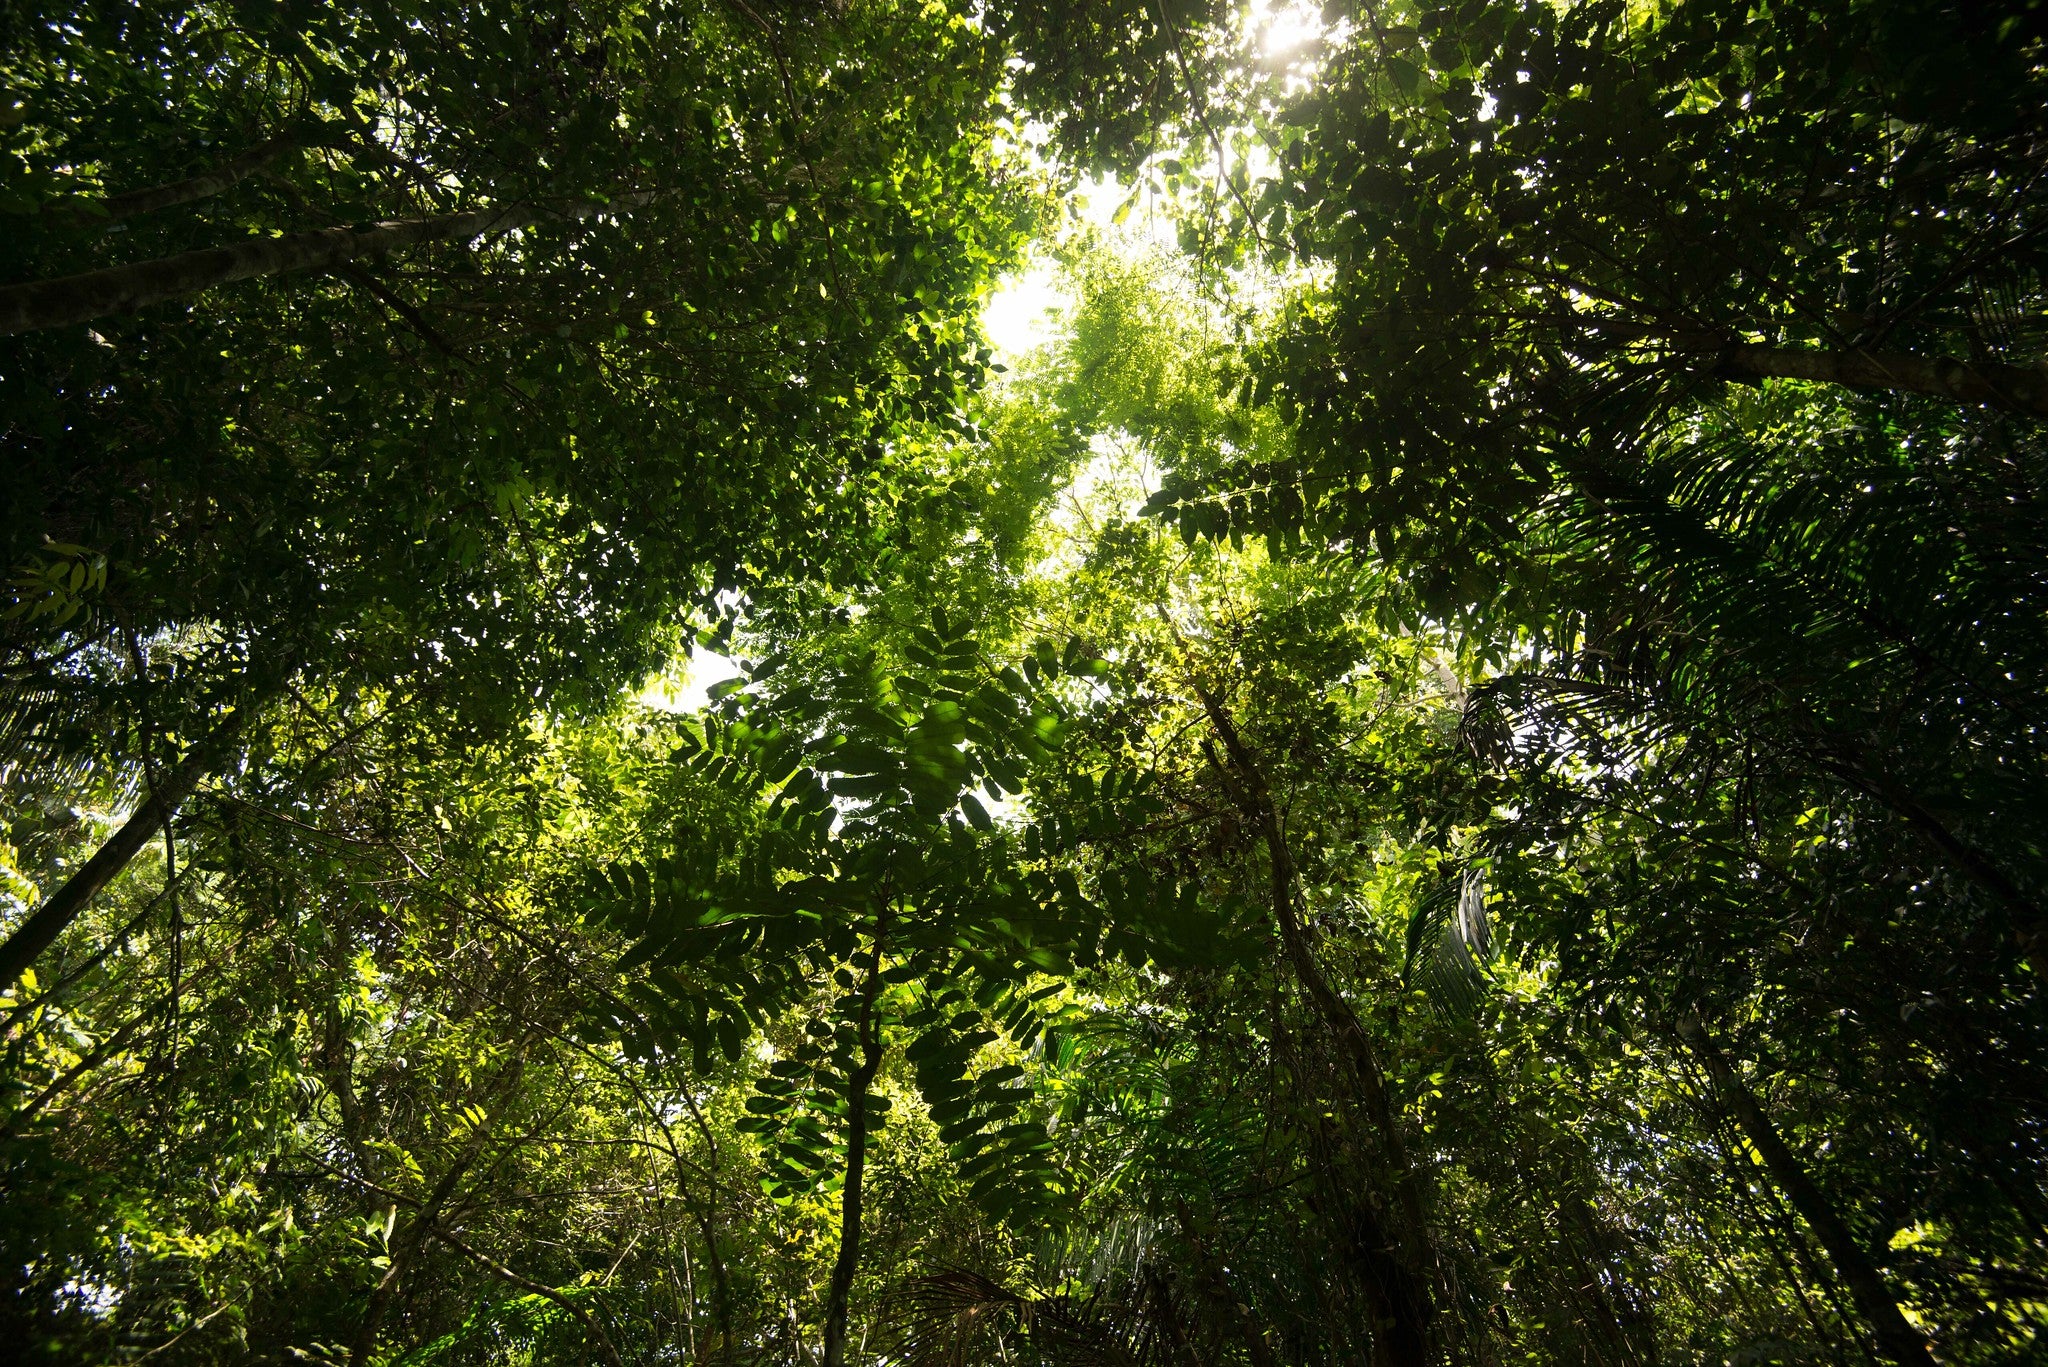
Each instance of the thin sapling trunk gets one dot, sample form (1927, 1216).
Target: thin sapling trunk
(847, 1263)
(1896, 1338)
(57, 911)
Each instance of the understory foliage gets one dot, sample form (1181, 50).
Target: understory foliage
(1450, 770)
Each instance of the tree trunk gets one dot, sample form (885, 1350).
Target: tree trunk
(1896, 1338)
(62, 907)
(1397, 1261)
(2019, 389)
(848, 1261)
(2029, 927)
(1214, 1284)
(428, 1214)
(81, 298)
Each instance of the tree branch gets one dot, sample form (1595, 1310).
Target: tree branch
(81, 298)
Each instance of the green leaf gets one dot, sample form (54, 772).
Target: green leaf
(977, 815)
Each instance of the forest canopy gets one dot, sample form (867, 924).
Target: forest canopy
(1444, 761)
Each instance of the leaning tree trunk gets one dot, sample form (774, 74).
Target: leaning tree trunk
(2029, 926)
(428, 1212)
(1397, 1261)
(1896, 1338)
(2020, 389)
(62, 907)
(124, 289)
(81, 298)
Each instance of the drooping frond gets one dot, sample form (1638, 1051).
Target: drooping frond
(958, 1318)
(1450, 942)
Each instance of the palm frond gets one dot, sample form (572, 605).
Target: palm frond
(958, 1317)
(1450, 942)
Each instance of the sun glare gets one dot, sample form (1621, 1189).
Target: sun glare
(684, 686)
(1020, 314)
(1286, 27)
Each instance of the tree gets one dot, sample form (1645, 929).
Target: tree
(1145, 893)
(1557, 227)
(1553, 238)
(501, 464)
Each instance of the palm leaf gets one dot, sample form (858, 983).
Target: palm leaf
(1450, 942)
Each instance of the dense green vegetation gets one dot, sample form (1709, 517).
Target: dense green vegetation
(1453, 769)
